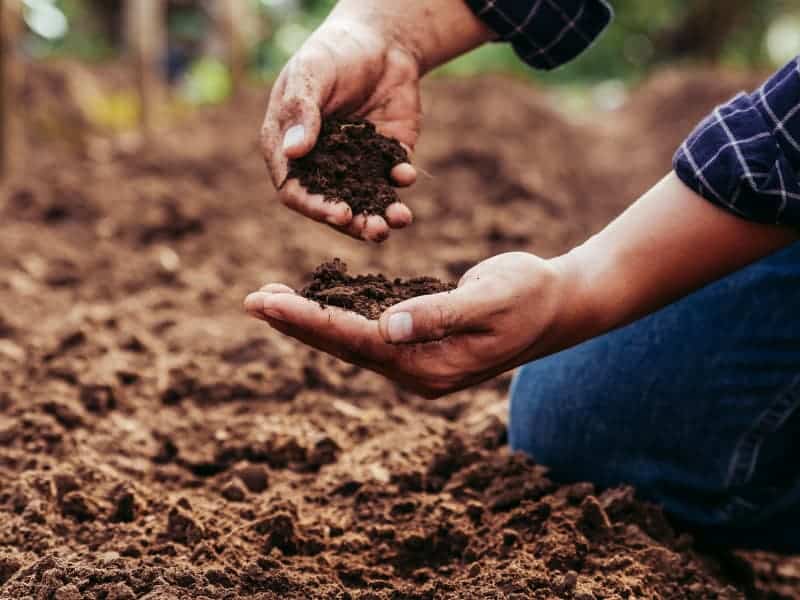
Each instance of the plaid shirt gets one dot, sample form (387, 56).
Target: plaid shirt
(744, 157)
(545, 33)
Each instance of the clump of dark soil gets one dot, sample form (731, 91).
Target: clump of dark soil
(351, 162)
(367, 295)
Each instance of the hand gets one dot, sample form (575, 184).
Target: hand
(364, 61)
(500, 316)
(349, 68)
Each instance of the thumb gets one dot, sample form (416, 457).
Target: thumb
(428, 318)
(300, 124)
(300, 115)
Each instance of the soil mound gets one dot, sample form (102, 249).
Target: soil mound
(351, 162)
(367, 295)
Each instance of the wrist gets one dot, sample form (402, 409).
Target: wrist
(583, 308)
(432, 32)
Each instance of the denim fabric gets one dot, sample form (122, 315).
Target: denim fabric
(697, 405)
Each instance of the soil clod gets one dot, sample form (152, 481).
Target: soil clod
(351, 163)
(367, 295)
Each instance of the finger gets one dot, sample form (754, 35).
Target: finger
(276, 288)
(356, 227)
(398, 215)
(314, 341)
(300, 116)
(277, 162)
(430, 318)
(315, 206)
(404, 175)
(345, 334)
(376, 229)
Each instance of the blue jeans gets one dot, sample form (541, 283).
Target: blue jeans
(697, 405)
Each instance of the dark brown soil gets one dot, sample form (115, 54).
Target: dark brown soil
(367, 295)
(156, 443)
(351, 162)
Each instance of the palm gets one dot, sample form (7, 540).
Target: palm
(487, 326)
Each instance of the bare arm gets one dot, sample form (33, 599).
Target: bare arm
(516, 307)
(666, 245)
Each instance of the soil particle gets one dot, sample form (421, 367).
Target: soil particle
(65, 483)
(234, 492)
(255, 477)
(367, 295)
(182, 527)
(594, 521)
(68, 592)
(124, 503)
(8, 567)
(98, 399)
(351, 163)
(78, 506)
(324, 452)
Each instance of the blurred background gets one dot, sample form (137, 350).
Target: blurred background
(185, 53)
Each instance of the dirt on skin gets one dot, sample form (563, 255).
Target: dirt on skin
(352, 163)
(367, 295)
(156, 443)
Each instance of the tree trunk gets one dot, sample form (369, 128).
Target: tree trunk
(146, 37)
(238, 20)
(704, 30)
(11, 135)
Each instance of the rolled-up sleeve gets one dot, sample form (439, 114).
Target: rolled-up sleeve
(545, 33)
(745, 156)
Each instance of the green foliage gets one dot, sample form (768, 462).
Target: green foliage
(637, 41)
(85, 39)
(630, 47)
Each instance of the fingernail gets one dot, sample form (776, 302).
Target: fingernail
(401, 326)
(254, 304)
(295, 136)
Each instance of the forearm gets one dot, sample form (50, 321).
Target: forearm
(666, 245)
(434, 31)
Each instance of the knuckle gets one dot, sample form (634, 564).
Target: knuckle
(447, 319)
(265, 139)
(288, 199)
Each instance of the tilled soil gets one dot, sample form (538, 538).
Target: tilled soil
(156, 443)
(351, 163)
(367, 295)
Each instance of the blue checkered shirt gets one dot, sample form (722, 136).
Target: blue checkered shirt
(744, 157)
(545, 33)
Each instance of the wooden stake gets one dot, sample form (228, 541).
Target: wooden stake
(146, 36)
(11, 135)
(235, 14)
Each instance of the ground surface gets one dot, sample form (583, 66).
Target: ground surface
(155, 443)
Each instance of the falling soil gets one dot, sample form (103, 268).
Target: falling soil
(155, 443)
(367, 295)
(352, 163)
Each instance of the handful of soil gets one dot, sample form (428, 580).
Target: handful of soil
(351, 162)
(367, 295)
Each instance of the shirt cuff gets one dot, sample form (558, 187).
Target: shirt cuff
(545, 33)
(745, 156)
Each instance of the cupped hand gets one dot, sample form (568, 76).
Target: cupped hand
(350, 69)
(500, 316)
